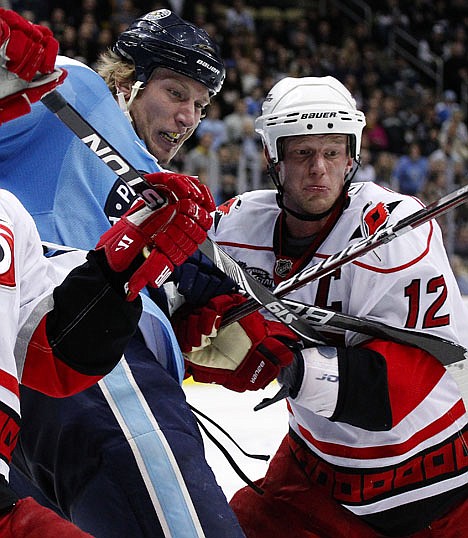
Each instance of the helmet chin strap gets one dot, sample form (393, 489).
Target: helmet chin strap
(125, 105)
(310, 217)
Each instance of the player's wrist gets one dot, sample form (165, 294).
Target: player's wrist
(118, 280)
(291, 376)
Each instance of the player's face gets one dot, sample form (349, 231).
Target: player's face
(167, 112)
(313, 171)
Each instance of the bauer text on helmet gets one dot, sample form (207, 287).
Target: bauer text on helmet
(162, 39)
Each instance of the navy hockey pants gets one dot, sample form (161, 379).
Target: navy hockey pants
(122, 459)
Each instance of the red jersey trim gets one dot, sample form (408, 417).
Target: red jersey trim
(242, 245)
(359, 264)
(44, 372)
(9, 382)
(399, 449)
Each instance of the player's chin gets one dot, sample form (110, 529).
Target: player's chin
(162, 152)
(316, 209)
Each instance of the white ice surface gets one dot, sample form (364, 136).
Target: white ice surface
(257, 432)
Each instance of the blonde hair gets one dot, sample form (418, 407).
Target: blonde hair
(115, 70)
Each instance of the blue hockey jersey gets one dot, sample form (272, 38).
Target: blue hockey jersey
(72, 195)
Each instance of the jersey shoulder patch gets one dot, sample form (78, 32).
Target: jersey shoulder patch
(7, 260)
(225, 209)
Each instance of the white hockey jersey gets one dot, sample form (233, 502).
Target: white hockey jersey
(27, 280)
(421, 454)
(54, 337)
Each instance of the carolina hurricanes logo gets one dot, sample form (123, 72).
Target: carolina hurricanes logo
(225, 208)
(7, 265)
(375, 218)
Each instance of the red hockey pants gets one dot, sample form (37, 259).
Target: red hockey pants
(294, 507)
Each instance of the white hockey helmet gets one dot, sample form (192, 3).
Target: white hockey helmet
(309, 106)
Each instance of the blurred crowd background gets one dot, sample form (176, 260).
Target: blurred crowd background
(405, 63)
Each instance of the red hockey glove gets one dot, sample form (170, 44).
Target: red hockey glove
(29, 519)
(27, 57)
(167, 235)
(27, 48)
(245, 355)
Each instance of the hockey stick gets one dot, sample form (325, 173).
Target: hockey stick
(58, 105)
(444, 350)
(264, 297)
(350, 253)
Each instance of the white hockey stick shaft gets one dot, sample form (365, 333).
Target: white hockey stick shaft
(446, 351)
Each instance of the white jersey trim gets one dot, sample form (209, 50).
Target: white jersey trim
(411, 496)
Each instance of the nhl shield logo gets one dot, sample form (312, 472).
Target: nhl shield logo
(283, 267)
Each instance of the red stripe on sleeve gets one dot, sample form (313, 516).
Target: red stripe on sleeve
(412, 374)
(48, 374)
(9, 382)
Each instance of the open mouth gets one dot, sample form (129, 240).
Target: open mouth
(172, 138)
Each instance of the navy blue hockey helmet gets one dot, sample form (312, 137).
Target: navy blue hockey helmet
(162, 39)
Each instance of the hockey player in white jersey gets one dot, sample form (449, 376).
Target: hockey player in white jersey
(60, 335)
(377, 442)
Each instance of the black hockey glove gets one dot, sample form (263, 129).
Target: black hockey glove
(198, 280)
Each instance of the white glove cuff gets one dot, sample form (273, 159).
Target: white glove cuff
(319, 389)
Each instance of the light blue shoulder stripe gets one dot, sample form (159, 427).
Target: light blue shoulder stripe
(160, 338)
(153, 455)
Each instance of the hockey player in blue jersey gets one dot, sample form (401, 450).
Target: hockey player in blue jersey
(124, 458)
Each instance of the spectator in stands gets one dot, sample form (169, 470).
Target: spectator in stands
(393, 124)
(254, 101)
(411, 171)
(384, 166)
(461, 243)
(456, 67)
(232, 91)
(366, 172)
(445, 107)
(214, 125)
(250, 149)
(454, 129)
(202, 161)
(374, 134)
(461, 273)
(235, 122)
(436, 185)
(239, 17)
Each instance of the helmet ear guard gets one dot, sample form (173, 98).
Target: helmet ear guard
(162, 39)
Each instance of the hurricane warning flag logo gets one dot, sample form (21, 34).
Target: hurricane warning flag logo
(375, 218)
(7, 266)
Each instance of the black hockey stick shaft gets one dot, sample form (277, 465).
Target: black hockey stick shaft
(321, 319)
(350, 253)
(446, 351)
(57, 104)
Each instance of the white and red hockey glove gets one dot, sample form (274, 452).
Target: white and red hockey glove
(245, 355)
(149, 243)
(27, 64)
